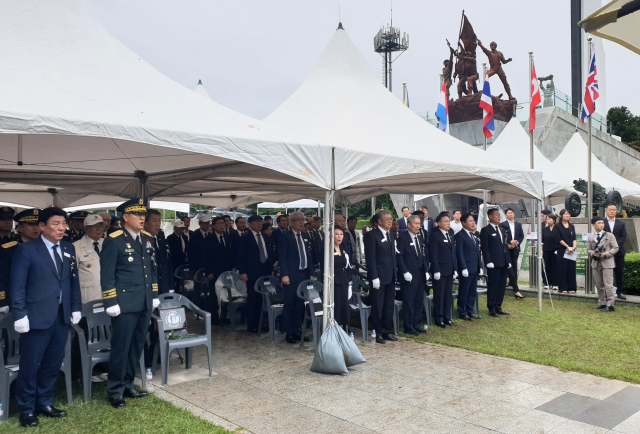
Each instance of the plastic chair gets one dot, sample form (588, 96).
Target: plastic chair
(166, 346)
(182, 273)
(237, 293)
(397, 307)
(11, 356)
(308, 290)
(480, 292)
(428, 308)
(359, 288)
(272, 302)
(95, 345)
(202, 286)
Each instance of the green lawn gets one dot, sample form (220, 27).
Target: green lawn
(145, 415)
(574, 338)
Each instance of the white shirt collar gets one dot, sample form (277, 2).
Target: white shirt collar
(133, 234)
(255, 233)
(48, 243)
(444, 232)
(601, 232)
(413, 236)
(467, 231)
(383, 231)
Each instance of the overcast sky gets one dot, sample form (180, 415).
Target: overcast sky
(252, 54)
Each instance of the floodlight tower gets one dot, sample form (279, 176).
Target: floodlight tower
(386, 42)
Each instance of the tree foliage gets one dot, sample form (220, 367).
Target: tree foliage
(625, 125)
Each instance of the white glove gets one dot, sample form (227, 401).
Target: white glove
(509, 266)
(376, 283)
(407, 276)
(4, 309)
(436, 276)
(455, 274)
(156, 302)
(427, 276)
(22, 325)
(75, 317)
(490, 265)
(113, 310)
(465, 273)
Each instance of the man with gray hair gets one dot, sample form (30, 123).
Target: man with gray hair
(380, 252)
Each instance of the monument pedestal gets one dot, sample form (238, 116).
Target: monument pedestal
(468, 109)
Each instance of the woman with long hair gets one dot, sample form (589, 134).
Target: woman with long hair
(549, 246)
(566, 243)
(341, 280)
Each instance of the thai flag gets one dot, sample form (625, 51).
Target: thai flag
(487, 111)
(591, 91)
(442, 113)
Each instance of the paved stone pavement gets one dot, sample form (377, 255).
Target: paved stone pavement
(405, 388)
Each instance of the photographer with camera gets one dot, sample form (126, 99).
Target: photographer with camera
(602, 247)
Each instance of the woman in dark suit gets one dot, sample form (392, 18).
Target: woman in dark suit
(341, 280)
(549, 245)
(566, 242)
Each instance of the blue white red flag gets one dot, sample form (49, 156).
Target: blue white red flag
(442, 113)
(591, 91)
(486, 105)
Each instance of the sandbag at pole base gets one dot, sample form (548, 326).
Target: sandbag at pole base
(335, 351)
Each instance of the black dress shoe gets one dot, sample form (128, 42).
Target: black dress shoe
(600, 307)
(413, 332)
(380, 339)
(291, 339)
(608, 309)
(51, 412)
(117, 402)
(389, 337)
(298, 337)
(441, 325)
(474, 316)
(133, 393)
(421, 330)
(492, 313)
(28, 420)
(621, 296)
(466, 318)
(502, 312)
(450, 324)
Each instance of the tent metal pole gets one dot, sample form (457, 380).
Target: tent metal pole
(319, 213)
(19, 150)
(373, 206)
(329, 210)
(539, 252)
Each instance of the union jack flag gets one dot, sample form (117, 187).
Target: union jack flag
(591, 92)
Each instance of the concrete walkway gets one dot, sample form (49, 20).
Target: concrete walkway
(404, 388)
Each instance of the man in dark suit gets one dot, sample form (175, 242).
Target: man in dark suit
(187, 224)
(294, 259)
(129, 281)
(515, 236)
(469, 258)
(234, 238)
(45, 298)
(341, 222)
(413, 265)
(283, 226)
(195, 248)
(152, 224)
(178, 242)
(495, 253)
(218, 258)
(317, 241)
(619, 230)
(403, 221)
(254, 261)
(428, 225)
(442, 254)
(76, 226)
(380, 251)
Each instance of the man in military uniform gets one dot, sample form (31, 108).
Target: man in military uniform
(75, 231)
(129, 282)
(29, 230)
(6, 224)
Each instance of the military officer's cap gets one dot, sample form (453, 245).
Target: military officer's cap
(253, 218)
(133, 206)
(91, 220)
(28, 216)
(6, 213)
(78, 215)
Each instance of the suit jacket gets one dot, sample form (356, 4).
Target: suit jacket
(355, 255)
(288, 255)
(178, 256)
(218, 258)
(402, 224)
(317, 247)
(407, 256)
(275, 238)
(36, 285)
(620, 232)
(165, 265)
(234, 238)
(346, 244)
(468, 253)
(88, 269)
(248, 257)
(608, 245)
(381, 256)
(442, 253)
(518, 236)
(128, 271)
(196, 250)
(493, 250)
(7, 250)
(429, 225)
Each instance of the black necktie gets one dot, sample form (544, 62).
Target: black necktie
(222, 241)
(138, 240)
(155, 244)
(96, 247)
(58, 259)
(598, 240)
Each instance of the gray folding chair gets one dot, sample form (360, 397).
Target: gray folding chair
(11, 356)
(166, 346)
(480, 292)
(428, 308)
(308, 290)
(272, 302)
(183, 273)
(361, 291)
(397, 307)
(202, 286)
(237, 293)
(95, 344)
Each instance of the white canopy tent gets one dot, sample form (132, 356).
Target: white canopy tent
(302, 203)
(574, 159)
(200, 89)
(154, 204)
(617, 21)
(343, 104)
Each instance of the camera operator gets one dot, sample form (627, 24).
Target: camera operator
(602, 247)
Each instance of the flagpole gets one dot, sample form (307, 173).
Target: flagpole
(484, 144)
(589, 186)
(533, 201)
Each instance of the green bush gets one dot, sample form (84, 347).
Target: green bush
(632, 273)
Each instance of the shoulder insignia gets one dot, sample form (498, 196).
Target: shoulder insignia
(146, 233)
(116, 234)
(9, 244)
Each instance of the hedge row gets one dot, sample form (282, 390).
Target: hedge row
(632, 273)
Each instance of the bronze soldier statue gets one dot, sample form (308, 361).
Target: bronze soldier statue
(447, 70)
(496, 59)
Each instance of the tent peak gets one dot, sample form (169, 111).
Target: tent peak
(340, 26)
(200, 82)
